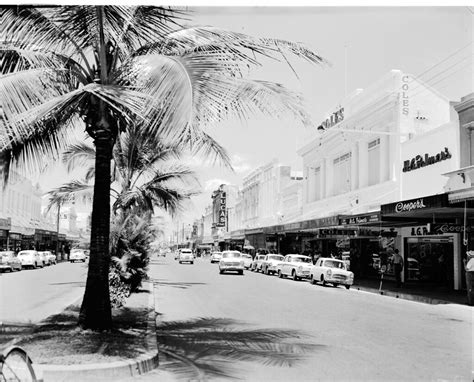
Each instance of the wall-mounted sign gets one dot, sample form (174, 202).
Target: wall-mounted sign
(333, 119)
(420, 161)
(6, 224)
(409, 206)
(404, 95)
(360, 219)
(222, 210)
(426, 202)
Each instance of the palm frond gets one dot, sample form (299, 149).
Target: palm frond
(79, 154)
(75, 190)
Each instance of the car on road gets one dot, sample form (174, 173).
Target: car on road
(247, 259)
(231, 261)
(334, 271)
(216, 257)
(296, 266)
(270, 263)
(186, 256)
(257, 263)
(30, 258)
(43, 258)
(51, 257)
(77, 255)
(9, 261)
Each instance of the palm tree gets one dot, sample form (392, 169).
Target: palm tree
(145, 174)
(108, 66)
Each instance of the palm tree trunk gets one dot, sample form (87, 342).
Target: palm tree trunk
(95, 311)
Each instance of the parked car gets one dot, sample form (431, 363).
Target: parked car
(51, 257)
(46, 257)
(332, 271)
(9, 261)
(257, 263)
(270, 263)
(30, 258)
(247, 260)
(186, 256)
(231, 261)
(296, 266)
(77, 255)
(216, 257)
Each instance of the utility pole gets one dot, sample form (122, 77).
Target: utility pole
(57, 231)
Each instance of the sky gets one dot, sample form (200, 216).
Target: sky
(361, 43)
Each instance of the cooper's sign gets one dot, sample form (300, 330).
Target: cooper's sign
(333, 119)
(409, 206)
(426, 160)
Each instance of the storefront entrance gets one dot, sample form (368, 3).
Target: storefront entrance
(429, 260)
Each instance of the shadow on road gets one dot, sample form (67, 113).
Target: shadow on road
(205, 348)
(73, 283)
(180, 285)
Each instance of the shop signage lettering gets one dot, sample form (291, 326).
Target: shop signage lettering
(404, 95)
(222, 210)
(427, 160)
(419, 231)
(334, 119)
(440, 229)
(410, 206)
(360, 219)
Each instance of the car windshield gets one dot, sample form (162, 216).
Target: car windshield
(25, 253)
(275, 257)
(301, 259)
(334, 264)
(247, 256)
(230, 254)
(216, 253)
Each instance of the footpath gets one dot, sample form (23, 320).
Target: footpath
(427, 294)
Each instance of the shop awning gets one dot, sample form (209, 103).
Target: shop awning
(461, 195)
(427, 209)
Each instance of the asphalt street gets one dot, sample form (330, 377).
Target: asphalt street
(351, 335)
(31, 295)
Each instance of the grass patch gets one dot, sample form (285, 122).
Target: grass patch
(58, 340)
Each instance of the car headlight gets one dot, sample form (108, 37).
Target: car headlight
(351, 275)
(328, 272)
(300, 268)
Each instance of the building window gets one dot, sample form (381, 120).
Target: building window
(314, 184)
(374, 162)
(342, 174)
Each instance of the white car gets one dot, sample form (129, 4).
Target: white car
(334, 271)
(186, 256)
(77, 255)
(30, 258)
(51, 257)
(257, 263)
(231, 261)
(296, 266)
(216, 257)
(270, 263)
(247, 260)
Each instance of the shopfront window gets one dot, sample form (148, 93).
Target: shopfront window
(429, 260)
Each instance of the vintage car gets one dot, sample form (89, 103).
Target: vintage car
(257, 263)
(270, 263)
(9, 261)
(77, 254)
(216, 257)
(231, 261)
(247, 260)
(296, 266)
(186, 256)
(334, 271)
(30, 258)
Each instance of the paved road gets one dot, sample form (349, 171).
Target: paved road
(31, 295)
(355, 335)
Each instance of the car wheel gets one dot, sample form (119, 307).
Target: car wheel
(192, 262)
(241, 272)
(348, 287)
(323, 281)
(266, 271)
(295, 278)
(35, 266)
(280, 275)
(221, 271)
(84, 260)
(313, 281)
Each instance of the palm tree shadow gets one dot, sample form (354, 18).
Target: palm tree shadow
(205, 348)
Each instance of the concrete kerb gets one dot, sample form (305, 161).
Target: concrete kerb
(112, 370)
(404, 296)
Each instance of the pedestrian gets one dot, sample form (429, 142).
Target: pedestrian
(469, 268)
(397, 261)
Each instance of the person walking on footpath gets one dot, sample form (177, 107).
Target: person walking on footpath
(469, 268)
(397, 260)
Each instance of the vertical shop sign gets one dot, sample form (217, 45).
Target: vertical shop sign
(222, 209)
(405, 98)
